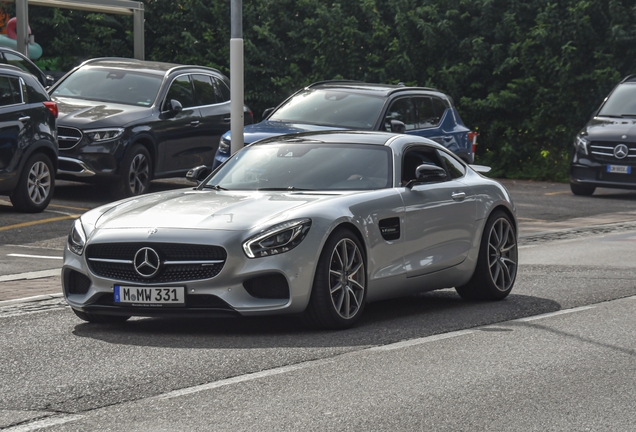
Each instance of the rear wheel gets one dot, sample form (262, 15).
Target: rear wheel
(136, 171)
(496, 268)
(339, 289)
(34, 190)
(98, 318)
(578, 189)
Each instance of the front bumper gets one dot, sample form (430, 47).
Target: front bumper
(589, 173)
(229, 293)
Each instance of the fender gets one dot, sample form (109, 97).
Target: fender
(43, 146)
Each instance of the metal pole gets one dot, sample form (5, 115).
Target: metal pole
(138, 30)
(22, 30)
(236, 76)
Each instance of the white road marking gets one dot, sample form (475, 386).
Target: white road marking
(47, 422)
(34, 256)
(419, 341)
(30, 275)
(551, 314)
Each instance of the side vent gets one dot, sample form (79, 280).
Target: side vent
(390, 228)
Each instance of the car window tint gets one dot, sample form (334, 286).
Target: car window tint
(223, 90)
(9, 91)
(454, 167)
(204, 89)
(415, 157)
(402, 110)
(439, 108)
(34, 93)
(425, 114)
(14, 60)
(181, 90)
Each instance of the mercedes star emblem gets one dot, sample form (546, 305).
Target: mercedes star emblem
(624, 137)
(147, 262)
(620, 151)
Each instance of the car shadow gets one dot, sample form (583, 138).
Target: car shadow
(383, 323)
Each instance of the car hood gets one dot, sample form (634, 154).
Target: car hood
(193, 209)
(266, 129)
(611, 129)
(96, 114)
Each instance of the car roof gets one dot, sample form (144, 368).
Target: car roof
(12, 68)
(146, 66)
(371, 88)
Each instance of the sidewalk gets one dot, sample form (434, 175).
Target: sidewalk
(30, 285)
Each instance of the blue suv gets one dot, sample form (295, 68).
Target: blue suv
(329, 105)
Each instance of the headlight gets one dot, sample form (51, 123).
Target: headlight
(77, 238)
(581, 143)
(277, 239)
(99, 135)
(224, 145)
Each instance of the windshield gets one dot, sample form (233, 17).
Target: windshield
(331, 108)
(622, 102)
(110, 85)
(306, 166)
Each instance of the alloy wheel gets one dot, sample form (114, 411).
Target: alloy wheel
(139, 174)
(346, 278)
(39, 182)
(502, 254)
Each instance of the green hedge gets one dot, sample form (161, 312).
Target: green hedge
(525, 75)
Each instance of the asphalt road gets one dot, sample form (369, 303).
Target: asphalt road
(428, 362)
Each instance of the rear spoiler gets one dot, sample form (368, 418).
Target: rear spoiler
(480, 168)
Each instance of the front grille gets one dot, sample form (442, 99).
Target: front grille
(67, 137)
(176, 261)
(604, 152)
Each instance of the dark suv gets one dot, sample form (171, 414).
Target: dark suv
(124, 122)
(604, 152)
(28, 147)
(357, 105)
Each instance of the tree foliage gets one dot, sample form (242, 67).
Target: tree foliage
(525, 74)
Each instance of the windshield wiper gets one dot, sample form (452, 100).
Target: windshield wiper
(215, 187)
(288, 188)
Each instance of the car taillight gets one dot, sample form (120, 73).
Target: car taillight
(472, 137)
(52, 106)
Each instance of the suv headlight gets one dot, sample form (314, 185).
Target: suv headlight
(77, 238)
(277, 239)
(580, 144)
(99, 135)
(224, 145)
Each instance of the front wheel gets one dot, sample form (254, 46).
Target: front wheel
(578, 189)
(340, 285)
(497, 262)
(136, 172)
(34, 190)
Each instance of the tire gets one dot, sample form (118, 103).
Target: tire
(339, 290)
(497, 263)
(98, 318)
(136, 171)
(582, 190)
(35, 186)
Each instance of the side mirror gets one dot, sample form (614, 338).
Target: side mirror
(49, 80)
(398, 127)
(427, 174)
(267, 112)
(174, 107)
(198, 174)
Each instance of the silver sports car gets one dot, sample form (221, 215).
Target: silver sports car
(315, 224)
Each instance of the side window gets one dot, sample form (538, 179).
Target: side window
(439, 108)
(15, 60)
(10, 91)
(453, 166)
(426, 117)
(402, 110)
(223, 90)
(204, 90)
(415, 157)
(181, 90)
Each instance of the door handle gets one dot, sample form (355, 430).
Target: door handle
(458, 196)
(23, 119)
(195, 123)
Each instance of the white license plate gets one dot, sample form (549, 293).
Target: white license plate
(149, 296)
(621, 169)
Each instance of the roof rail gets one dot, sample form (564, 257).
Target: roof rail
(335, 82)
(628, 78)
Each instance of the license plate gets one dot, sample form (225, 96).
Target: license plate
(149, 296)
(621, 169)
